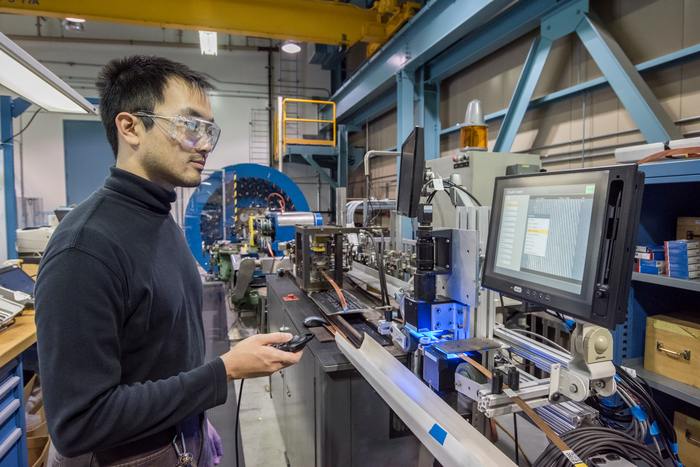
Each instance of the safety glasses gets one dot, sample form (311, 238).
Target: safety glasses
(194, 132)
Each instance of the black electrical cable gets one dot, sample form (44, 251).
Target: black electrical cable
(380, 268)
(588, 442)
(25, 127)
(383, 276)
(645, 399)
(461, 188)
(238, 412)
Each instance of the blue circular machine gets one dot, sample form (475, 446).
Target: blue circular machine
(250, 189)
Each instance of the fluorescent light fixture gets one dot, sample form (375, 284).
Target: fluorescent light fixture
(24, 75)
(75, 20)
(291, 47)
(208, 42)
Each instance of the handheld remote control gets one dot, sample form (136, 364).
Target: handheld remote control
(295, 344)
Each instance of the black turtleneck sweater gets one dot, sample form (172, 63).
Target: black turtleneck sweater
(119, 326)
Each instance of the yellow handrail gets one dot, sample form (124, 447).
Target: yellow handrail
(285, 119)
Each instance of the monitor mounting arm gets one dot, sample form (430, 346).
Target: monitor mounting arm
(590, 371)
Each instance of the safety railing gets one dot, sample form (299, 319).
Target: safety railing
(285, 119)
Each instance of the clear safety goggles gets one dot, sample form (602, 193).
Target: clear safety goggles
(194, 132)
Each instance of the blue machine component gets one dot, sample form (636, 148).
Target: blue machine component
(248, 190)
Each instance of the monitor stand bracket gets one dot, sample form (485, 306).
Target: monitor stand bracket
(590, 371)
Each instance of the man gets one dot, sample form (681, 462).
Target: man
(118, 294)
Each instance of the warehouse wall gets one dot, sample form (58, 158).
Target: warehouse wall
(645, 29)
(41, 145)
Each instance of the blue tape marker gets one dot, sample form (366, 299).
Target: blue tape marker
(607, 402)
(679, 464)
(674, 448)
(438, 433)
(654, 430)
(345, 309)
(617, 378)
(639, 414)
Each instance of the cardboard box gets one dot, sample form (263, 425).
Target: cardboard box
(38, 451)
(688, 227)
(672, 347)
(688, 434)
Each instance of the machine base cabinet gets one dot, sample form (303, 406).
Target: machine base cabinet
(329, 415)
(673, 348)
(688, 433)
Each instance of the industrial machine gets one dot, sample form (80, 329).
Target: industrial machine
(557, 244)
(234, 225)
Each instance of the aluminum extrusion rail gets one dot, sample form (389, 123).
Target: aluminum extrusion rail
(542, 355)
(450, 438)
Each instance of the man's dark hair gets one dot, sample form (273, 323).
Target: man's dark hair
(138, 83)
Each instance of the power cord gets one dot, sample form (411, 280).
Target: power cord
(25, 127)
(238, 411)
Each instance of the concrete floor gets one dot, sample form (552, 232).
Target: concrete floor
(262, 439)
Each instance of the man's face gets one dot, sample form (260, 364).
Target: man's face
(165, 161)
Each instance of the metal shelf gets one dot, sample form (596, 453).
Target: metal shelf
(688, 284)
(682, 391)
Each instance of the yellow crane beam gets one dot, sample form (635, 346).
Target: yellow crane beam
(319, 21)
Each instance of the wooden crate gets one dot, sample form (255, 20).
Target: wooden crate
(673, 347)
(688, 433)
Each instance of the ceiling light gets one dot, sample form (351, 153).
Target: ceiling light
(208, 42)
(291, 47)
(24, 75)
(70, 25)
(75, 20)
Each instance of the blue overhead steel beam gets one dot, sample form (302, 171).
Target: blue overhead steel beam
(374, 109)
(563, 20)
(523, 93)
(508, 25)
(634, 93)
(513, 23)
(671, 59)
(436, 26)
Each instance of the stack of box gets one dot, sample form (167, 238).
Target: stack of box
(683, 259)
(650, 259)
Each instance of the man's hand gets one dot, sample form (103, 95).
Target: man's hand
(253, 357)
(217, 450)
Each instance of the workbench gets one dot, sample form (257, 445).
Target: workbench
(327, 412)
(13, 341)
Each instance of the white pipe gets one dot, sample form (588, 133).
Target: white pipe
(280, 133)
(371, 154)
(377, 153)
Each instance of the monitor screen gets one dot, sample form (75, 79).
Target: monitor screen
(14, 278)
(544, 235)
(411, 174)
(555, 240)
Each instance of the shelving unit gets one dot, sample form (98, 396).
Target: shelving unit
(671, 190)
(682, 391)
(687, 284)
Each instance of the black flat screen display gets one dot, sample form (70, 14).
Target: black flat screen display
(411, 173)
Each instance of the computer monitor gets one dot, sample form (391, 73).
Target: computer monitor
(61, 213)
(14, 278)
(411, 174)
(565, 240)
